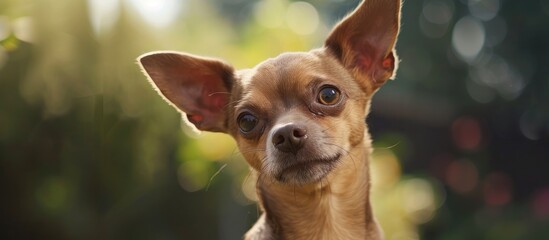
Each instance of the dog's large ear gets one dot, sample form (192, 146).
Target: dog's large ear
(197, 86)
(364, 42)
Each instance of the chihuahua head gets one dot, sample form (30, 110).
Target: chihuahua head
(295, 117)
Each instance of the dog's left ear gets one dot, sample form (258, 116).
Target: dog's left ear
(364, 42)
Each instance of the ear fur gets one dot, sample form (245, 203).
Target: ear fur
(364, 42)
(199, 87)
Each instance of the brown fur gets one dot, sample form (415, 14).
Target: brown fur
(319, 190)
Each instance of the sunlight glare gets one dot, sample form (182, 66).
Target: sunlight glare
(302, 18)
(386, 169)
(103, 14)
(158, 13)
(23, 28)
(267, 13)
(419, 200)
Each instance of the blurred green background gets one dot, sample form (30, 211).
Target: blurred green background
(89, 151)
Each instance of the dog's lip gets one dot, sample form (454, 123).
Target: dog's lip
(309, 163)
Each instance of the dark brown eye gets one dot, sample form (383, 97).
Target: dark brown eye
(329, 96)
(247, 122)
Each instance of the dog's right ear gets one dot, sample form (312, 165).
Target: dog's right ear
(197, 86)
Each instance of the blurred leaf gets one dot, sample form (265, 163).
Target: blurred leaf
(10, 43)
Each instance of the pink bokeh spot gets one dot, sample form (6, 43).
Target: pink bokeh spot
(462, 176)
(497, 189)
(540, 203)
(466, 133)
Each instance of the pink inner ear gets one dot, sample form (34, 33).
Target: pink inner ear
(365, 62)
(370, 61)
(366, 55)
(389, 62)
(206, 109)
(214, 96)
(195, 118)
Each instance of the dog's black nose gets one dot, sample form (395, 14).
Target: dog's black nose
(289, 138)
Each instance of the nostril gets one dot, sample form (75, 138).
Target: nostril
(299, 132)
(278, 139)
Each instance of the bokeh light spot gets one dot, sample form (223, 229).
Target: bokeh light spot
(480, 93)
(52, 194)
(386, 170)
(194, 175)
(462, 176)
(103, 15)
(435, 18)
(438, 11)
(224, 144)
(499, 74)
(302, 18)
(466, 133)
(531, 125)
(540, 203)
(268, 13)
(497, 189)
(468, 38)
(484, 9)
(23, 29)
(249, 188)
(419, 200)
(158, 13)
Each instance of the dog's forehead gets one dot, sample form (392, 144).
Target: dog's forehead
(291, 62)
(287, 71)
(286, 68)
(282, 76)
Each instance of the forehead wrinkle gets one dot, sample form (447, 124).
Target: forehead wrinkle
(282, 81)
(261, 77)
(255, 101)
(295, 72)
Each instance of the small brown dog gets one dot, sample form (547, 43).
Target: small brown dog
(298, 119)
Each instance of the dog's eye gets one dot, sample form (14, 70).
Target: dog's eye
(329, 95)
(247, 122)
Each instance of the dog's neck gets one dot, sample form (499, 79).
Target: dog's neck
(338, 207)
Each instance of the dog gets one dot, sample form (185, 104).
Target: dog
(298, 120)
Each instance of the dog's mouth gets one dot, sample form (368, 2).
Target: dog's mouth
(307, 171)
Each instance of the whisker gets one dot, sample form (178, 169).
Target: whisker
(214, 175)
(214, 93)
(389, 147)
